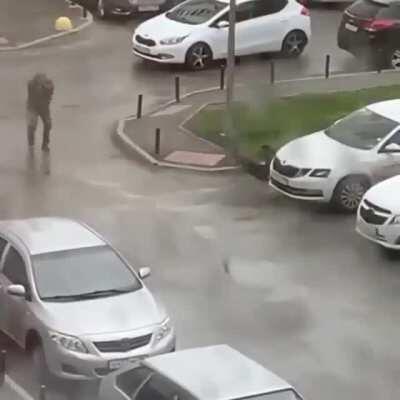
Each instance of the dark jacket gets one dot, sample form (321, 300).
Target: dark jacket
(40, 92)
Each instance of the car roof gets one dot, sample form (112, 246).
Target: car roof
(388, 109)
(216, 372)
(46, 235)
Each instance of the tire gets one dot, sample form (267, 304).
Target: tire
(393, 58)
(101, 9)
(349, 192)
(294, 44)
(198, 57)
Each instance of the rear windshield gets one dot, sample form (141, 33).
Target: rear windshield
(371, 9)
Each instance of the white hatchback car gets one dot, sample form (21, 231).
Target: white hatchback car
(378, 217)
(340, 163)
(196, 32)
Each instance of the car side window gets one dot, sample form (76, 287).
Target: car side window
(262, 7)
(245, 11)
(394, 139)
(14, 268)
(160, 388)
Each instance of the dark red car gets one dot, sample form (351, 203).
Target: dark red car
(372, 28)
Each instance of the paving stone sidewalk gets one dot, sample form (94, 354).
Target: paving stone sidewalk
(24, 21)
(179, 147)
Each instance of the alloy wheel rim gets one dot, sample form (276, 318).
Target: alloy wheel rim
(199, 57)
(351, 195)
(395, 60)
(294, 43)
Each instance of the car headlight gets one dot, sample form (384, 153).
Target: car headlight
(395, 220)
(302, 172)
(164, 329)
(70, 343)
(320, 173)
(173, 40)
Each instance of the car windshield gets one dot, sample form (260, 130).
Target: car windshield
(281, 395)
(82, 274)
(362, 129)
(196, 12)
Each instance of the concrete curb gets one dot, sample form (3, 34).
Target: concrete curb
(44, 39)
(152, 160)
(147, 156)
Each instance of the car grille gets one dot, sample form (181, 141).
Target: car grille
(122, 345)
(368, 213)
(296, 191)
(145, 41)
(283, 169)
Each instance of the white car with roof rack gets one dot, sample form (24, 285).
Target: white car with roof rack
(196, 32)
(378, 217)
(215, 372)
(340, 163)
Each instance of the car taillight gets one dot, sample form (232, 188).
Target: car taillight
(379, 24)
(305, 11)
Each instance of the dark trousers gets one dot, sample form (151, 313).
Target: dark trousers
(32, 117)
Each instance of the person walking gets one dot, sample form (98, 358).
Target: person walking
(40, 94)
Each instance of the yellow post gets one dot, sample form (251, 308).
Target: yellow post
(63, 24)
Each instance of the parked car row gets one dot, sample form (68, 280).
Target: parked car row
(343, 164)
(83, 313)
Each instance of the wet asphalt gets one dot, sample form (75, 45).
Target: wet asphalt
(289, 284)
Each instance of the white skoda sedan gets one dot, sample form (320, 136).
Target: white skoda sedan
(378, 217)
(340, 163)
(196, 32)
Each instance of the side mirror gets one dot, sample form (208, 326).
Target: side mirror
(17, 291)
(144, 272)
(222, 24)
(391, 148)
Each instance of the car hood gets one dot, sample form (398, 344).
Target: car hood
(386, 194)
(317, 150)
(161, 27)
(126, 312)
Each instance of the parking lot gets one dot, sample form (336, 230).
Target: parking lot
(289, 284)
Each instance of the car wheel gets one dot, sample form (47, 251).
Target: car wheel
(101, 10)
(394, 59)
(198, 57)
(349, 192)
(294, 43)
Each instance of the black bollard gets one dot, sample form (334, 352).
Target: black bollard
(177, 89)
(157, 141)
(222, 77)
(43, 392)
(272, 72)
(139, 106)
(327, 66)
(84, 12)
(3, 356)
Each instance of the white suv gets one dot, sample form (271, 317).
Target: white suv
(196, 32)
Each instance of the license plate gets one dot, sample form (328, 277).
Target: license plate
(142, 49)
(117, 364)
(351, 27)
(280, 179)
(149, 8)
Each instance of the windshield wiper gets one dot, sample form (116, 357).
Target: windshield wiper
(90, 295)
